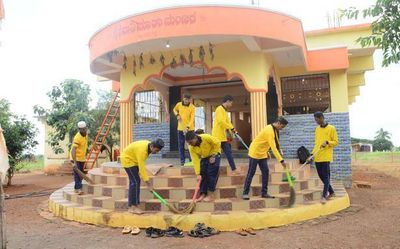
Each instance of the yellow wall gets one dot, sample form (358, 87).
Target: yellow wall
(342, 38)
(234, 57)
(339, 93)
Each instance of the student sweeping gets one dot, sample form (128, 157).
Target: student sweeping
(78, 154)
(205, 151)
(133, 159)
(222, 125)
(325, 139)
(184, 112)
(268, 138)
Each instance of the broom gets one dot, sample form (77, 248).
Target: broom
(292, 197)
(82, 175)
(241, 140)
(302, 166)
(188, 210)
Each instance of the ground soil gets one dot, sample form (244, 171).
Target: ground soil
(372, 221)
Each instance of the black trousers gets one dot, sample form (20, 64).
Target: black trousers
(324, 173)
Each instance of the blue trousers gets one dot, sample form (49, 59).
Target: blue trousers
(181, 146)
(209, 174)
(324, 173)
(134, 186)
(226, 147)
(262, 163)
(77, 178)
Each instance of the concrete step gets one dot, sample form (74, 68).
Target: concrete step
(120, 192)
(222, 204)
(190, 180)
(273, 165)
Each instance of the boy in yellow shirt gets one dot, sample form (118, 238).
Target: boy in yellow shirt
(78, 154)
(184, 112)
(222, 125)
(325, 139)
(205, 151)
(268, 138)
(133, 159)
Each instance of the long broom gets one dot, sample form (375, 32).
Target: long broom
(241, 140)
(292, 196)
(303, 165)
(188, 210)
(82, 175)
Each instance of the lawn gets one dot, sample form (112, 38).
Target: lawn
(32, 165)
(376, 157)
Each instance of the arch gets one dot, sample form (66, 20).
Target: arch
(160, 74)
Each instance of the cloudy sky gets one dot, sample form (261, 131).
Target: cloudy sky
(45, 41)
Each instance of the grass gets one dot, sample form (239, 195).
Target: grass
(36, 164)
(376, 157)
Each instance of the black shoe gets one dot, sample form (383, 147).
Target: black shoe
(149, 231)
(174, 232)
(267, 196)
(156, 233)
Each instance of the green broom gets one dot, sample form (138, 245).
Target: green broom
(292, 197)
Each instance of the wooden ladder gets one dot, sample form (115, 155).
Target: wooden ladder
(108, 121)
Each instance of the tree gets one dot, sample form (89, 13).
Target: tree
(19, 134)
(382, 141)
(385, 28)
(70, 104)
(382, 134)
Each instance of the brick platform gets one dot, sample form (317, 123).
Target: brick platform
(176, 185)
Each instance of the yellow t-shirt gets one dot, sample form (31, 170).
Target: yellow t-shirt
(264, 141)
(80, 144)
(323, 134)
(221, 124)
(209, 146)
(135, 155)
(187, 116)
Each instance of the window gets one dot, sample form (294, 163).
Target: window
(200, 118)
(148, 107)
(306, 94)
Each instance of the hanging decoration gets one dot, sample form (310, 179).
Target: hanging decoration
(211, 50)
(182, 59)
(134, 65)
(190, 56)
(162, 59)
(152, 60)
(202, 53)
(141, 64)
(173, 63)
(110, 56)
(125, 65)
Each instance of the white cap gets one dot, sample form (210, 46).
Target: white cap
(81, 124)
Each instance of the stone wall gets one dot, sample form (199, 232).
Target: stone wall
(151, 132)
(300, 131)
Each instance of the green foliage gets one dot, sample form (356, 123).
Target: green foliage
(19, 134)
(385, 28)
(70, 104)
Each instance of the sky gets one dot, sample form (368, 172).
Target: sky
(44, 42)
